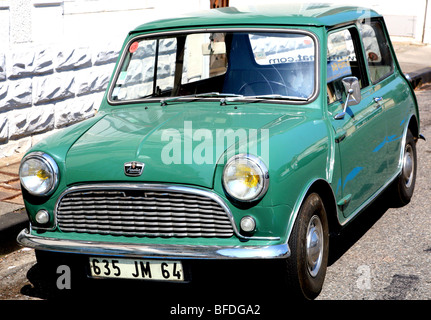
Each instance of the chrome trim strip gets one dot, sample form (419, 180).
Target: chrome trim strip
(25, 238)
(163, 188)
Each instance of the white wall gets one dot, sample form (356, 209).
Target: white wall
(404, 19)
(56, 58)
(427, 35)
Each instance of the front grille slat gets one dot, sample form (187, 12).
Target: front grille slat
(119, 220)
(143, 213)
(126, 219)
(140, 200)
(141, 208)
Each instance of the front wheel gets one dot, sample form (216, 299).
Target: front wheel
(309, 245)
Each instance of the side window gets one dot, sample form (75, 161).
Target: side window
(343, 60)
(378, 55)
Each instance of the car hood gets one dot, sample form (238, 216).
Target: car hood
(179, 143)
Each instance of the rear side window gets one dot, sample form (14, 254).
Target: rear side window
(378, 54)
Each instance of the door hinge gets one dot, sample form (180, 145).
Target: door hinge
(345, 201)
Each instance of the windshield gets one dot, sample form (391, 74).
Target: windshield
(237, 64)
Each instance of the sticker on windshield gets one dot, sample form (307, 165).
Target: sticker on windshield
(133, 47)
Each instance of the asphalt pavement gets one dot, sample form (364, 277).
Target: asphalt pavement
(414, 59)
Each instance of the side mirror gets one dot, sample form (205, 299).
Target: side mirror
(353, 92)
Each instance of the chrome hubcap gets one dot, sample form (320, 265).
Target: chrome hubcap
(408, 166)
(314, 245)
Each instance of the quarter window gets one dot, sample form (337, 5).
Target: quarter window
(378, 55)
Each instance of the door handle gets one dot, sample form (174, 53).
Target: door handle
(378, 100)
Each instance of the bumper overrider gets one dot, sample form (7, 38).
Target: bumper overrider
(127, 250)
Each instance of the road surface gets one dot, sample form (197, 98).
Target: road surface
(384, 254)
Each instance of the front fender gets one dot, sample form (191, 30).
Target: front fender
(298, 156)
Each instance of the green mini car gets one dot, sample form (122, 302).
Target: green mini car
(228, 135)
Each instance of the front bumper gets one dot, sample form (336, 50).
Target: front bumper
(26, 239)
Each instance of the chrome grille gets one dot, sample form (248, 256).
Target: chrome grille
(143, 213)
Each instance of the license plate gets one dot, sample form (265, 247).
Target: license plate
(101, 267)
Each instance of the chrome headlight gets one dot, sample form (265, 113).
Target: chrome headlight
(245, 178)
(38, 174)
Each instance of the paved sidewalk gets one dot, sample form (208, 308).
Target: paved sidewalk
(10, 189)
(414, 60)
(413, 57)
(12, 213)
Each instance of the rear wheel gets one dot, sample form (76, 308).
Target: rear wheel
(405, 184)
(309, 245)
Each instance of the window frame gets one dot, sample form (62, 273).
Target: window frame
(137, 37)
(388, 45)
(359, 51)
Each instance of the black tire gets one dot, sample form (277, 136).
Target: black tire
(404, 185)
(305, 279)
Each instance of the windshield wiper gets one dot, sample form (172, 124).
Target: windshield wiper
(230, 97)
(164, 102)
(262, 97)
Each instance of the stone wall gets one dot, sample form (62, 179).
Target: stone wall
(57, 56)
(43, 89)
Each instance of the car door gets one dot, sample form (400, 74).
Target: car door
(389, 88)
(361, 129)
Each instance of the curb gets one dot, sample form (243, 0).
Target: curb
(420, 77)
(12, 223)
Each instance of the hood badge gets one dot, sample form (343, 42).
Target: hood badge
(133, 169)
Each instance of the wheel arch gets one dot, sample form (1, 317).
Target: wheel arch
(413, 126)
(324, 190)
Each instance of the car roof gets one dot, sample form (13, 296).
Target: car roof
(300, 14)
